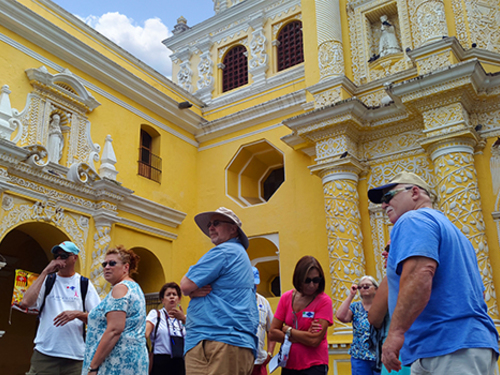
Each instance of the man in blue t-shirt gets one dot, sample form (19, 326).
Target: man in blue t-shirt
(439, 319)
(222, 316)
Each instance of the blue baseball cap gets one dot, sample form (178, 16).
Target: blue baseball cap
(66, 246)
(256, 276)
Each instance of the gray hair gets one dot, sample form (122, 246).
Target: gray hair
(372, 280)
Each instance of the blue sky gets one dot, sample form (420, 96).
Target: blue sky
(139, 26)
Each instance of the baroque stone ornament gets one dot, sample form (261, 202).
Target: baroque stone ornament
(16, 211)
(431, 21)
(184, 76)
(343, 227)
(102, 239)
(331, 59)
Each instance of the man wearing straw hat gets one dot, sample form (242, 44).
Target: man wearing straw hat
(222, 316)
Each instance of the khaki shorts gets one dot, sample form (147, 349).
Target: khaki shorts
(42, 364)
(474, 361)
(217, 358)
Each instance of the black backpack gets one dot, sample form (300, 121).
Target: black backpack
(49, 284)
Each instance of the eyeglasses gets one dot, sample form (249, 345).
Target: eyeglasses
(315, 280)
(386, 198)
(364, 286)
(111, 263)
(216, 223)
(63, 255)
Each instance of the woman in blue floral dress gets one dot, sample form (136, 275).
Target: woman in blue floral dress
(116, 342)
(363, 361)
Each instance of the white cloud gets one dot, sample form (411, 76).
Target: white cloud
(144, 42)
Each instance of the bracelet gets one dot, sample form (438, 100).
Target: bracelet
(93, 369)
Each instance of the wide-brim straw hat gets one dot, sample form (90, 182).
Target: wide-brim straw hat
(203, 219)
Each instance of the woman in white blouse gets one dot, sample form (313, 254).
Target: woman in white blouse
(167, 337)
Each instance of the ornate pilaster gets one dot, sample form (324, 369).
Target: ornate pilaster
(258, 64)
(343, 227)
(102, 238)
(205, 71)
(185, 74)
(330, 48)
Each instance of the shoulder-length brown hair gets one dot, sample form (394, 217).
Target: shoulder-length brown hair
(304, 265)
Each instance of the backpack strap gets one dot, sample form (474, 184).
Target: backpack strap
(49, 284)
(156, 331)
(84, 287)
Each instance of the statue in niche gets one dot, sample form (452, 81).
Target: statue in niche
(56, 139)
(388, 43)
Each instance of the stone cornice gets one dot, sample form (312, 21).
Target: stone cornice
(454, 45)
(270, 110)
(228, 22)
(468, 76)
(34, 28)
(153, 211)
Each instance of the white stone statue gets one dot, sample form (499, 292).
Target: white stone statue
(56, 139)
(388, 44)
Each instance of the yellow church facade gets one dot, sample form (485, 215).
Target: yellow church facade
(284, 111)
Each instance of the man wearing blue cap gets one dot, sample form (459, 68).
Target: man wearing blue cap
(439, 319)
(64, 299)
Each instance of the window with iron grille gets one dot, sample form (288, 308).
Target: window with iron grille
(235, 72)
(290, 46)
(149, 163)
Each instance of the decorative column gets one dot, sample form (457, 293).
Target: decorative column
(205, 71)
(450, 143)
(329, 30)
(343, 227)
(258, 64)
(460, 201)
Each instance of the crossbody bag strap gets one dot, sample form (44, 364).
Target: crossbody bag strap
(178, 324)
(156, 331)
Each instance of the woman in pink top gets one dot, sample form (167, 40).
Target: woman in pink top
(297, 310)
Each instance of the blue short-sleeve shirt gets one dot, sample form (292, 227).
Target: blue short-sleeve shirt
(456, 316)
(228, 313)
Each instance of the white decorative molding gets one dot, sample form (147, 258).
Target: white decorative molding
(7, 126)
(108, 161)
(74, 52)
(152, 211)
(246, 118)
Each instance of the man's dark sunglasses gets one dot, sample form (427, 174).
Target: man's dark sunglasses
(386, 198)
(111, 263)
(62, 255)
(315, 280)
(216, 223)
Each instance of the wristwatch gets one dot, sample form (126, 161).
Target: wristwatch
(93, 369)
(288, 332)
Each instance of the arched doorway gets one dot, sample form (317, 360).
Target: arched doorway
(26, 247)
(151, 276)
(263, 253)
